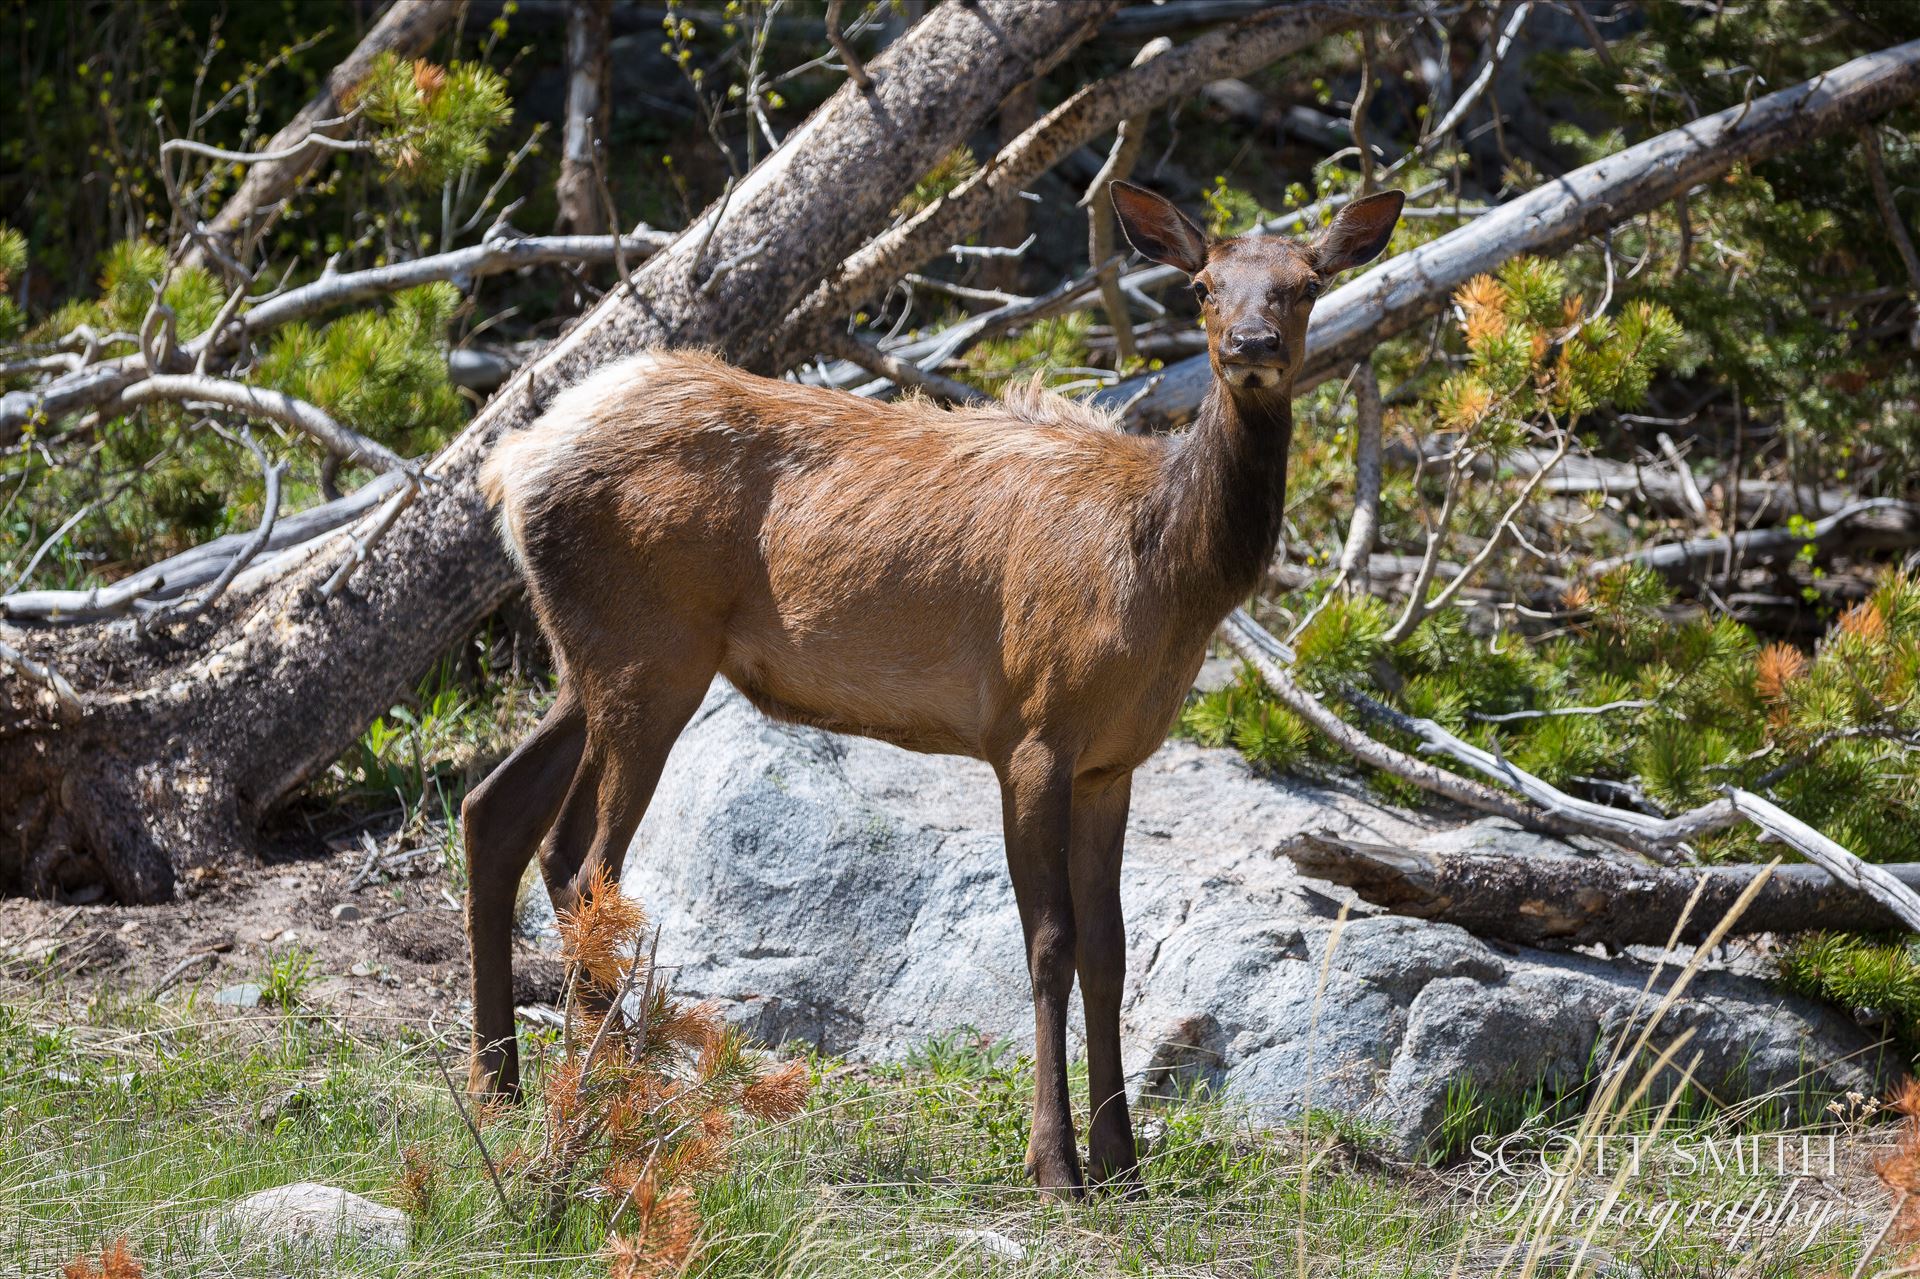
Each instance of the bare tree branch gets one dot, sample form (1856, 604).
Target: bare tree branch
(1896, 225)
(1089, 112)
(406, 29)
(1128, 137)
(845, 346)
(343, 442)
(856, 69)
(589, 32)
(1362, 528)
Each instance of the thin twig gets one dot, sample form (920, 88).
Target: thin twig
(1890, 214)
(459, 1104)
(856, 69)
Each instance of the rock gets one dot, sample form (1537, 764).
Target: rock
(361, 968)
(855, 896)
(246, 995)
(991, 1242)
(291, 1104)
(345, 912)
(310, 1215)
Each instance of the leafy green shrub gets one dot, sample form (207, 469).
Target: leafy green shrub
(434, 121)
(1880, 976)
(383, 371)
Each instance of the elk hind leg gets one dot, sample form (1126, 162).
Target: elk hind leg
(629, 736)
(502, 820)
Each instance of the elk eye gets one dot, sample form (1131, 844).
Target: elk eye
(1311, 290)
(1200, 293)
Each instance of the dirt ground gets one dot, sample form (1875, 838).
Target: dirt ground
(382, 922)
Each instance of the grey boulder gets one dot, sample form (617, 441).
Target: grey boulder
(308, 1215)
(854, 896)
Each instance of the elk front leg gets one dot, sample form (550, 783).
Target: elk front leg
(1099, 832)
(1036, 789)
(501, 822)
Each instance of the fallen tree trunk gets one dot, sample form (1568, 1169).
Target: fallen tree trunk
(1582, 900)
(406, 29)
(187, 738)
(1878, 524)
(1551, 219)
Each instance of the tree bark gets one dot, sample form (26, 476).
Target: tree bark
(190, 737)
(408, 28)
(1580, 900)
(589, 29)
(1551, 219)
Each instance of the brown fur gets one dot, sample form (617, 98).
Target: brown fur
(1022, 583)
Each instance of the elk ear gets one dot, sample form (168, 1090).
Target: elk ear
(1157, 229)
(1358, 234)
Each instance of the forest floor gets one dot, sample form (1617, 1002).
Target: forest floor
(126, 1112)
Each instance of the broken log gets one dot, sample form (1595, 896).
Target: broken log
(1554, 217)
(1583, 900)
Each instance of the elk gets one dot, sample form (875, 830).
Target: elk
(1022, 583)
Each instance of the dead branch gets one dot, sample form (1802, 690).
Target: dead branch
(493, 256)
(846, 346)
(276, 406)
(95, 385)
(856, 69)
(42, 674)
(1419, 607)
(1128, 137)
(1257, 648)
(174, 577)
(1896, 225)
(1407, 289)
(1513, 16)
(1361, 529)
(406, 29)
(256, 542)
(1556, 811)
(1878, 524)
(576, 191)
(1576, 901)
(1090, 111)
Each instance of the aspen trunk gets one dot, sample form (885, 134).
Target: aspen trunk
(589, 28)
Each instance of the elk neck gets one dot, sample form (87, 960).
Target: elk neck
(1224, 493)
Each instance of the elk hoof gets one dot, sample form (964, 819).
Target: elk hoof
(1057, 1173)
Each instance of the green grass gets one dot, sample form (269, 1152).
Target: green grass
(121, 1116)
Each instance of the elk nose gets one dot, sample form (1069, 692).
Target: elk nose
(1251, 342)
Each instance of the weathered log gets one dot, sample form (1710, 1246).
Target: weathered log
(189, 737)
(1878, 524)
(1552, 218)
(1581, 900)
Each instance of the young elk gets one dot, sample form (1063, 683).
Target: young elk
(1021, 583)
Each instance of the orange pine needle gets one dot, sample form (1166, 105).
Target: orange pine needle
(1777, 666)
(777, 1094)
(1864, 621)
(116, 1262)
(601, 933)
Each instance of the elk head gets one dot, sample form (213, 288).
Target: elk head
(1256, 291)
